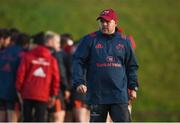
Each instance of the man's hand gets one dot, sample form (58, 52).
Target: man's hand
(132, 94)
(67, 95)
(51, 102)
(81, 89)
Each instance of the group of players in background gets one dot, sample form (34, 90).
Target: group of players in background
(36, 78)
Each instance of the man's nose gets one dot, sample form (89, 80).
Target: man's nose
(104, 23)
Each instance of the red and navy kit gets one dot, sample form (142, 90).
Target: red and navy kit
(111, 67)
(9, 61)
(38, 75)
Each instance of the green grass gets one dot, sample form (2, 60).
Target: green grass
(155, 25)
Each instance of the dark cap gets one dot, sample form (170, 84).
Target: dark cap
(108, 15)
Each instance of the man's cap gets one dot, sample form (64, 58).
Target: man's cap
(108, 15)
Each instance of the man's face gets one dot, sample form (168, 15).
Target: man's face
(107, 27)
(6, 42)
(56, 43)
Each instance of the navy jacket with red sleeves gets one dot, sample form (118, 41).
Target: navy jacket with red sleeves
(111, 67)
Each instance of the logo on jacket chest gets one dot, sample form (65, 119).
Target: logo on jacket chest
(6, 67)
(99, 46)
(110, 59)
(119, 46)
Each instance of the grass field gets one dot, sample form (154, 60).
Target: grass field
(155, 25)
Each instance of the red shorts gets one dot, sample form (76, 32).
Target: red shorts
(79, 104)
(58, 106)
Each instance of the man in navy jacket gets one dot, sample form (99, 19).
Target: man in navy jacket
(107, 61)
(10, 58)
